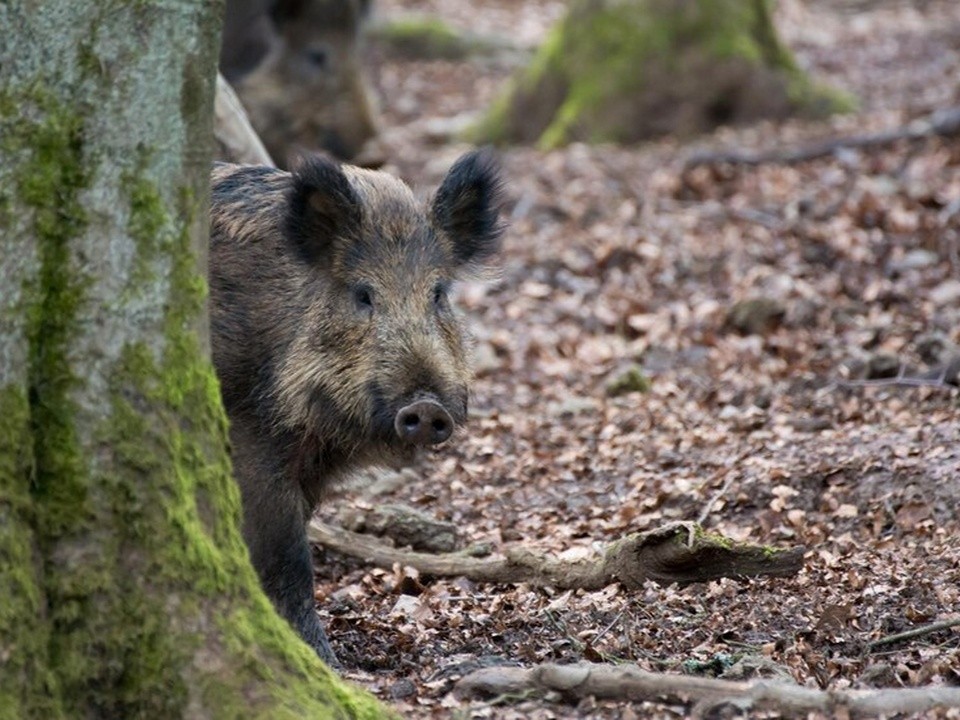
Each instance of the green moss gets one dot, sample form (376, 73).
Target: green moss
(49, 185)
(426, 38)
(195, 92)
(253, 632)
(713, 667)
(43, 492)
(16, 449)
(773, 51)
(817, 99)
(598, 51)
(701, 536)
(632, 379)
(144, 226)
(90, 63)
(186, 451)
(27, 687)
(498, 125)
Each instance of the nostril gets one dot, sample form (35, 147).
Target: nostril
(424, 422)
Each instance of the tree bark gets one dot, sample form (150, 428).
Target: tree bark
(125, 587)
(628, 70)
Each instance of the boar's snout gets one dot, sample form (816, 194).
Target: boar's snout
(424, 422)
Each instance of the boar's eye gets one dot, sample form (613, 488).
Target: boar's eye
(363, 297)
(318, 57)
(439, 294)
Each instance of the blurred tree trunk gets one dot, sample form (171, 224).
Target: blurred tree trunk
(125, 587)
(627, 70)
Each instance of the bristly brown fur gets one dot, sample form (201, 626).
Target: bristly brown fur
(330, 315)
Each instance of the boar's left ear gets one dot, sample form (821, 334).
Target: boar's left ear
(322, 206)
(467, 208)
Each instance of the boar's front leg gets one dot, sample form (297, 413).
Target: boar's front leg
(274, 512)
(286, 571)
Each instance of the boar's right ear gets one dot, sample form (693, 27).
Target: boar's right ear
(467, 208)
(322, 206)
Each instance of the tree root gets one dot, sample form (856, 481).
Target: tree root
(674, 553)
(402, 525)
(941, 123)
(237, 141)
(626, 682)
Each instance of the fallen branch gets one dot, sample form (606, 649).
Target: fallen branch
(237, 141)
(943, 123)
(403, 525)
(946, 376)
(675, 553)
(915, 633)
(629, 683)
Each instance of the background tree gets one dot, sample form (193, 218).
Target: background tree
(625, 70)
(125, 588)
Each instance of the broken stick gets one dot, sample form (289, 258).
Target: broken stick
(675, 553)
(915, 633)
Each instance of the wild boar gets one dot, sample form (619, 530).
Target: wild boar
(334, 337)
(295, 65)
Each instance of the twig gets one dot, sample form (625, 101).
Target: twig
(608, 628)
(771, 222)
(627, 682)
(941, 123)
(945, 376)
(915, 633)
(708, 508)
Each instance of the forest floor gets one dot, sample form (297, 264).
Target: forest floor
(618, 257)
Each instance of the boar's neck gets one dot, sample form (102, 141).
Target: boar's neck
(314, 465)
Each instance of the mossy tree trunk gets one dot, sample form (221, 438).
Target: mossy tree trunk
(627, 70)
(125, 588)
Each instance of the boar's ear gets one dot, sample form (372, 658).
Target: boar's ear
(286, 11)
(322, 206)
(467, 208)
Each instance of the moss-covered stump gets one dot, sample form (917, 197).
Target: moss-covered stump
(628, 70)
